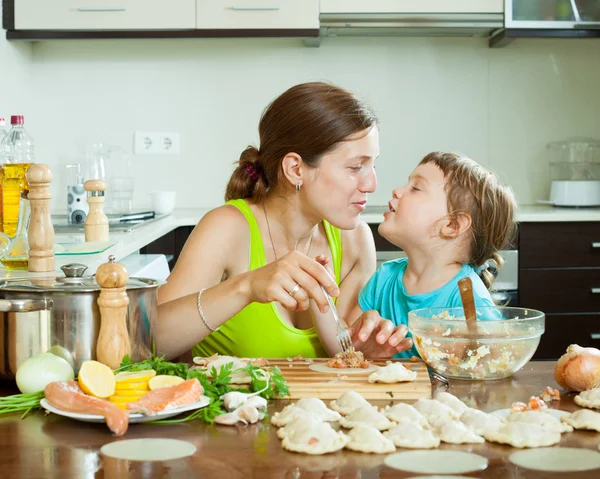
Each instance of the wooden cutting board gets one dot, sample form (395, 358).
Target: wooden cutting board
(304, 382)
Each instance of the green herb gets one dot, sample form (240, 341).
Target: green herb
(278, 387)
(158, 364)
(24, 403)
(390, 393)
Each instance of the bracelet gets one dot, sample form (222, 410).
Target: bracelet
(202, 313)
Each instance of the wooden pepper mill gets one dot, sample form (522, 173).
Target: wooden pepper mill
(41, 232)
(113, 340)
(95, 226)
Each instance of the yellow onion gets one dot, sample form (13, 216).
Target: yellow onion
(578, 369)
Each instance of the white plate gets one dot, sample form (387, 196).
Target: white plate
(504, 413)
(133, 418)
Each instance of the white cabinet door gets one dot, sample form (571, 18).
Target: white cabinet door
(412, 6)
(257, 14)
(105, 14)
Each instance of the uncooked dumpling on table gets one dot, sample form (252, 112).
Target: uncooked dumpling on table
(541, 418)
(318, 407)
(347, 402)
(298, 422)
(481, 422)
(370, 440)
(217, 361)
(455, 432)
(523, 434)
(392, 373)
(368, 415)
(583, 419)
(412, 435)
(404, 412)
(314, 438)
(451, 401)
(589, 398)
(435, 411)
(289, 414)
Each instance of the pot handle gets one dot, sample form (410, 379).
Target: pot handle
(24, 305)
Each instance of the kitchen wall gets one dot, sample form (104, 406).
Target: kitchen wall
(499, 106)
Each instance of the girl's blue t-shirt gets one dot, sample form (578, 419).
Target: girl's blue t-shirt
(385, 294)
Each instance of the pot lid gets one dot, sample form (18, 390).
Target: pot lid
(74, 281)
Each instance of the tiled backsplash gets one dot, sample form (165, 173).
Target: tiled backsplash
(499, 106)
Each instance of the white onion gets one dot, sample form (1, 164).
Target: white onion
(39, 371)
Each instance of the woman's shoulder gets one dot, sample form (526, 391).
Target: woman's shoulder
(355, 241)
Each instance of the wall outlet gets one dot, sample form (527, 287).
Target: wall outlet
(156, 143)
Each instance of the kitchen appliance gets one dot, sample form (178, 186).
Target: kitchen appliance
(77, 205)
(61, 315)
(575, 172)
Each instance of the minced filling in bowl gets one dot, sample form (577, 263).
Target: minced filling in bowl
(503, 340)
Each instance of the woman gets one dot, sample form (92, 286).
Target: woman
(297, 197)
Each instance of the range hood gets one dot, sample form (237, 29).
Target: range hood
(411, 17)
(547, 19)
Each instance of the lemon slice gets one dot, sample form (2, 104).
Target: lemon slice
(135, 376)
(130, 393)
(164, 381)
(124, 399)
(127, 386)
(96, 379)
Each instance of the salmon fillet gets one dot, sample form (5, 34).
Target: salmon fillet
(67, 396)
(155, 401)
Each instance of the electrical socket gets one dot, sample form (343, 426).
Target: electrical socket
(156, 143)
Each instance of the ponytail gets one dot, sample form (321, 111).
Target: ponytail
(485, 274)
(247, 180)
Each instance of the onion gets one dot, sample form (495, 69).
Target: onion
(39, 371)
(578, 369)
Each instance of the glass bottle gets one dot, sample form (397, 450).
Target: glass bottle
(3, 134)
(17, 256)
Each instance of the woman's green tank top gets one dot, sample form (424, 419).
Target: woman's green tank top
(258, 330)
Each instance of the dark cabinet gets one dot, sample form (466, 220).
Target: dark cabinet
(170, 244)
(559, 274)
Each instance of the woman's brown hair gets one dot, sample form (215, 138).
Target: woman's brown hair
(309, 119)
(473, 190)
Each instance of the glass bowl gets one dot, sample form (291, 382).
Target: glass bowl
(504, 340)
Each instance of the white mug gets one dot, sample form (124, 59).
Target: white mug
(163, 202)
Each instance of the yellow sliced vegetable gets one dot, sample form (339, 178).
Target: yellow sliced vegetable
(125, 399)
(135, 376)
(130, 392)
(164, 381)
(126, 386)
(96, 379)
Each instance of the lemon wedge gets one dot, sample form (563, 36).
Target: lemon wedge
(135, 393)
(135, 376)
(164, 381)
(96, 379)
(124, 399)
(125, 386)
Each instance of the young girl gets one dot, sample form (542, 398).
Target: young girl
(450, 219)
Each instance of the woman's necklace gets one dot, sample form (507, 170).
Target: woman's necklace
(271, 237)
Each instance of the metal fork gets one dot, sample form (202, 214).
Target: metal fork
(342, 334)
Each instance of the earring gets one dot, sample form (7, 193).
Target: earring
(297, 186)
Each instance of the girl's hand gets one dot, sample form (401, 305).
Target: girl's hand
(378, 338)
(291, 281)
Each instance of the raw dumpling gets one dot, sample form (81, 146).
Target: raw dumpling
(523, 434)
(451, 401)
(347, 402)
(412, 435)
(297, 422)
(541, 418)
(404, 412)
(314, 438)
(392, 373)
(583, 419)
(435, 412)
(480, 422)
(318, 407)
(589, 398)
(455, 432)
(369, 439)
(217, 361)
(287, 415)
(366, 415)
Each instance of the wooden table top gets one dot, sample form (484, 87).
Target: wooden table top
(43, 446)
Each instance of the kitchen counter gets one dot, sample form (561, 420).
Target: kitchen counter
(42, 446)
(525, 214)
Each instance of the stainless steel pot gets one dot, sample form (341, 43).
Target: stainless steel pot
(61, 315)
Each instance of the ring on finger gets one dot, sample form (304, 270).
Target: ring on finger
(293, 292)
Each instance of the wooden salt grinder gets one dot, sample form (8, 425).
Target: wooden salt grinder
(113, 340)
(95, 226)
(41, 232)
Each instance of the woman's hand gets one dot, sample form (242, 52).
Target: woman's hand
(377, 338)
(291, 281)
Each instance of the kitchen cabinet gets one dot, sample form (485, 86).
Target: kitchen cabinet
(104, 14)
(412, 6)
(170, 244)
(559, 274)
